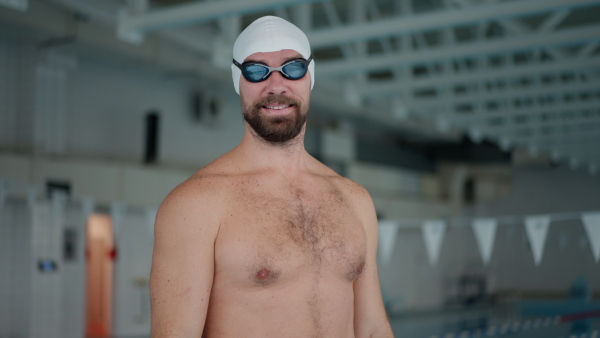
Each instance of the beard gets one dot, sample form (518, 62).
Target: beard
(276, 129)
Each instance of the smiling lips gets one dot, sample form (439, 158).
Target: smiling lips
(277, 104)
(278, 107)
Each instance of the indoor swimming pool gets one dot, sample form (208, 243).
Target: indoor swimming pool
(523, 320)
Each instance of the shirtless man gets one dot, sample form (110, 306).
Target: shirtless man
(266, 241)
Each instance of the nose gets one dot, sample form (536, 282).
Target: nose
(276, 83)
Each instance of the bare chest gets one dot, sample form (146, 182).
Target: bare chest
(273, 237)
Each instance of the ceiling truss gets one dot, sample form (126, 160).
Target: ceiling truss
(522, 73)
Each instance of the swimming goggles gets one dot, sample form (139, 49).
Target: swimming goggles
(256, 72)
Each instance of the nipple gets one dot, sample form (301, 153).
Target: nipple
(263, 274)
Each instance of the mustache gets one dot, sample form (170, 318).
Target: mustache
(277, 98)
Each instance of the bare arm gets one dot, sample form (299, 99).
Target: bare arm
(370, 319)
(182, 262)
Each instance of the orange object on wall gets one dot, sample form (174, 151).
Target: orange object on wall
(100, 245)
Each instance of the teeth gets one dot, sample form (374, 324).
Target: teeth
(279, 107)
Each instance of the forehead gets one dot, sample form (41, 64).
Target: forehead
(277, 57)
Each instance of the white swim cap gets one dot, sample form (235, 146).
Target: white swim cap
(269, 34)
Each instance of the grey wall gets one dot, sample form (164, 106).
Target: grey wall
(107, 106)
(56, 103)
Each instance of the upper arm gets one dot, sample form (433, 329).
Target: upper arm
(182, 263)
(370, 319)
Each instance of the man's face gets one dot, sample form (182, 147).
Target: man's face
(276, 108)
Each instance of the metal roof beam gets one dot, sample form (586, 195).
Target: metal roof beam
(557, 108)
(438, 20)
(194, 40)
(506, 95)
(380, 88)
(197, 12)
(593, 125)
(500, 46)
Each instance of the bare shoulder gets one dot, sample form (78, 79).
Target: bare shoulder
(354, 189)
(355, 193)
(197, 198)
(347, 186)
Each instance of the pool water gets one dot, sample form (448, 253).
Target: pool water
(514, 321)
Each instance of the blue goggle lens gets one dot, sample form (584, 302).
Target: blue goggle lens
(255, 72)
(295, 70)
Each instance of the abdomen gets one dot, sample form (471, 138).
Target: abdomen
(310, 306)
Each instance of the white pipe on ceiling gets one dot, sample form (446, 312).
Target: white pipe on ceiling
(488, 74)
(198, 12)
(194, 40)
(440, 19)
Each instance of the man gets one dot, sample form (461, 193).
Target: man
(266, 241)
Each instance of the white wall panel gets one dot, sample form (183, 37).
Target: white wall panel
(338, 145)
(142, 186)
(22, 271)
(49, 109)
(376, 179)
(386, 179)
(7, 266)
(132, 269)
(17, 169)
(407, 208)
(74, 276)
(149, 186)
(431, 187)
(46, 288)
(105, 182)
(170, 180)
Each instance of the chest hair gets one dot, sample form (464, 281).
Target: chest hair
(320, 224)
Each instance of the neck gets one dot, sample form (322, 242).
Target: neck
(285, 156)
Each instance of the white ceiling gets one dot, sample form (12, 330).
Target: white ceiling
(520, 73)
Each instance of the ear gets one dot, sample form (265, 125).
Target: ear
(236, 76)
